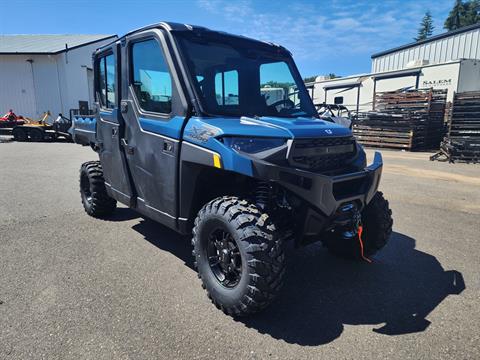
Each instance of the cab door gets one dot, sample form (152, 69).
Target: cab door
(154, 109)
(110, 124)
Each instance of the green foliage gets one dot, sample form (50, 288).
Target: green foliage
(333, 76)
(275, 84)
(327, 76)
(463, 13)
(426, 27)
(309, 79)
(472, 15)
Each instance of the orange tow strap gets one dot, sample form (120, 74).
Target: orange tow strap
(360, 230)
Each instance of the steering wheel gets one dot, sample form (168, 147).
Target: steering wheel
(287, 102)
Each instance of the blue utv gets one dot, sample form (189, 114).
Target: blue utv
(215, 134)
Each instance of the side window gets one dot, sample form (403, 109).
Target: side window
(150, 77)
(110, 70)
(106, 81)
(200, 79)
(101, 88)
(226, 88)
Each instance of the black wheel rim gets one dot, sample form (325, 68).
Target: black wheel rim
(85, 187)
(224, 258)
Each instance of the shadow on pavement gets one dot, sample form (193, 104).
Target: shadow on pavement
(122, 214)
(322, 293)
(166, 239)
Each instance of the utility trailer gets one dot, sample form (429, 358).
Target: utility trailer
(41, 130)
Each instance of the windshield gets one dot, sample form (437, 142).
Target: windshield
(235, 77)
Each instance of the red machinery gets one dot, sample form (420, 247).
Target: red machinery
(10, 119)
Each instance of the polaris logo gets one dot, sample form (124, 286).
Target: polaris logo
(329, 132)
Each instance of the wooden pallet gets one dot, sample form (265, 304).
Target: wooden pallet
(412, 120)
(462, 142)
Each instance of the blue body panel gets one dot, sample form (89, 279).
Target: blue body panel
(87, 123)
(231, 160)
(170, 128)
(261, 127)
(199, 130)
(84, 129)
(205, 132)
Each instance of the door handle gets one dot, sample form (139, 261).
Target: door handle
(129, 149)
(168, 147)
(124, 106)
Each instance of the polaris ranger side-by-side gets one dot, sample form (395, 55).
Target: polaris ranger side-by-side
(188, 135)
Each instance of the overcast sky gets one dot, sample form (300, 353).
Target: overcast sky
(324, 36)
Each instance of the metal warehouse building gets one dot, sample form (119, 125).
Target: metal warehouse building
(41, 73)
(463, 43)
(448, 61)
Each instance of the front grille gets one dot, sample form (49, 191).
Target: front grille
(323, 154)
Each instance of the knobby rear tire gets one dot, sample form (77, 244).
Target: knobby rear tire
(95, 199)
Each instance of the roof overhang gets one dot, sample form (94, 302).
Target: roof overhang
(59, 51)
(430, 39)
(343, 86)
(397, 74)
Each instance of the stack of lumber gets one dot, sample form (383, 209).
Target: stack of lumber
(462, 142)
(410, 120)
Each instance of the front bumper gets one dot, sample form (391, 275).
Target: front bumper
(325, 193)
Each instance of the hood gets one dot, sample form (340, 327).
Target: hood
(265, 127)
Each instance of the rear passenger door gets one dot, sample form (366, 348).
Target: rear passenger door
(153, 106)
(110, 124)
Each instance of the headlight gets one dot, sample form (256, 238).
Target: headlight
(253, 145)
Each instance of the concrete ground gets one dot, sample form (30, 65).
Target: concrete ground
(74, 287)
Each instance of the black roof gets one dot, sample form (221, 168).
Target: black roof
(433, 38)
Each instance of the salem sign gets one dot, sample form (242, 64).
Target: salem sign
(436, 83)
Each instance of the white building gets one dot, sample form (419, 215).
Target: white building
(447, 61)
(458, 44)
(41, 73)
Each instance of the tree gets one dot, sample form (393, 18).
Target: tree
(286, 86)
(332, 76)
(309, 79)
(455, 16)
(463, 13)
(426, 27)
(472, 13)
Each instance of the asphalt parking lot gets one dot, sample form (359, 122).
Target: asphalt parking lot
(75, 287)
